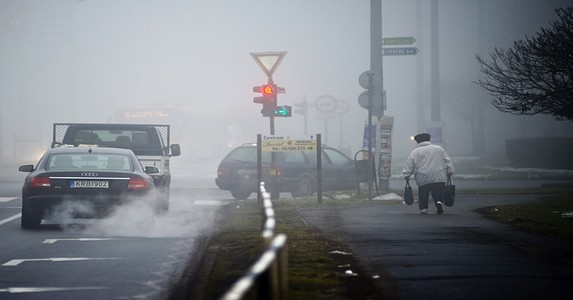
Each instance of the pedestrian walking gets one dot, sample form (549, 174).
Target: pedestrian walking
(431, 167)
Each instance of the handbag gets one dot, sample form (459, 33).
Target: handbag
(408, 195)
(449, 193)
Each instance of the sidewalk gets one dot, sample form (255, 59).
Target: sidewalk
(458, 255)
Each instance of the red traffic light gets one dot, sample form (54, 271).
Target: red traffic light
(267, 89)
(269, 95)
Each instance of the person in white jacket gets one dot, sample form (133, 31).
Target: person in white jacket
(431, 167)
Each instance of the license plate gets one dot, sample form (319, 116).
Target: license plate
(93, 184)
(246, 171)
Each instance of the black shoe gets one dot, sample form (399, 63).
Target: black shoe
(440, 208)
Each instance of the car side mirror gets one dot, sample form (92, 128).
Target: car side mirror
(151, 170)
(175, 150)
(26, 168)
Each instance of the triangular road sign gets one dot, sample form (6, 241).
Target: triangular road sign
(268, 61)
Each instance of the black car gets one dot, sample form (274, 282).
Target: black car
(296, 171)
(94, 177)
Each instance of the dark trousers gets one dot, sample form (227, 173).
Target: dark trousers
(437, 190)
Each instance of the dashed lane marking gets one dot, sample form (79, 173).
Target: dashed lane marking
(19, 290)
(52, 241)
(2, 222)
(7, 199)
(16, 262)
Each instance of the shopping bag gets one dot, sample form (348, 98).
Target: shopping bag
(449, 193)
(408, 195)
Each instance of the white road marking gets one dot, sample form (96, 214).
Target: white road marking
(7, 199)
(18, 290)
(52, 241)
(16, 262)
(2, 222)
(208, 202)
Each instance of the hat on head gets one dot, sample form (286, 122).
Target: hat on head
(422, 137)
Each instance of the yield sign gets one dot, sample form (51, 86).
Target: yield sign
(268, 61)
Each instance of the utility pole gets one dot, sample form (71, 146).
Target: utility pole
(376, 52)
(421, 95)
(377, 67)
(435, 54)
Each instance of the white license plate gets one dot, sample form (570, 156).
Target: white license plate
(94, 184)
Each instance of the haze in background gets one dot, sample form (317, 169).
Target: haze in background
(85, 60)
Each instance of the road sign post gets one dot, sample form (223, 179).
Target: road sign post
(269, 62)
(281, 144)
(366, 80)
(383, 154)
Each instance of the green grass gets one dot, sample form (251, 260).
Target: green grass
(551, 215)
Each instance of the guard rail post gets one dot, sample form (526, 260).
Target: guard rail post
(269, 273)
(260, 275)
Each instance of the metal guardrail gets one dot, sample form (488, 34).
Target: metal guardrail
(269, 273)
(269, 222)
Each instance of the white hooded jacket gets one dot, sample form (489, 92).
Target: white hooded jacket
(429, 164)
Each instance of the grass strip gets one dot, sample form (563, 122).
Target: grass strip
(316, 269)
(551, 215)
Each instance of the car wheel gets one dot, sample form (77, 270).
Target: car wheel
(240, 194)
(29, 221)
(303, 188)
(162, 206)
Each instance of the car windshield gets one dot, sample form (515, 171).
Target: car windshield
(247, 154)
(336, 157)
(116, 138)
(83, 161)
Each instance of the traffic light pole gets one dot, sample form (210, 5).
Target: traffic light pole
(370, 158)
(275, 194)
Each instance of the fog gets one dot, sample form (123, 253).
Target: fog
(134, 218)
(85, 60)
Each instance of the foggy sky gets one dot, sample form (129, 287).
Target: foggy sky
(83, 60)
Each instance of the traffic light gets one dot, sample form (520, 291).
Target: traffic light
(269, 95)
(301, 107)
(268, 98)
(283, 111)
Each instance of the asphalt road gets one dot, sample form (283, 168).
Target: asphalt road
(132, 254)
(457, 255)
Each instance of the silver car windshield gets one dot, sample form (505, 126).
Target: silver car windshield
(81, 161)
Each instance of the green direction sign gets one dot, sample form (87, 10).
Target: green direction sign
(391, 41)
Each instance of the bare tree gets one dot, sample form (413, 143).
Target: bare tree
(535, 76)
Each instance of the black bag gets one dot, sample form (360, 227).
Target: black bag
(449, 193)
(408, 195)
